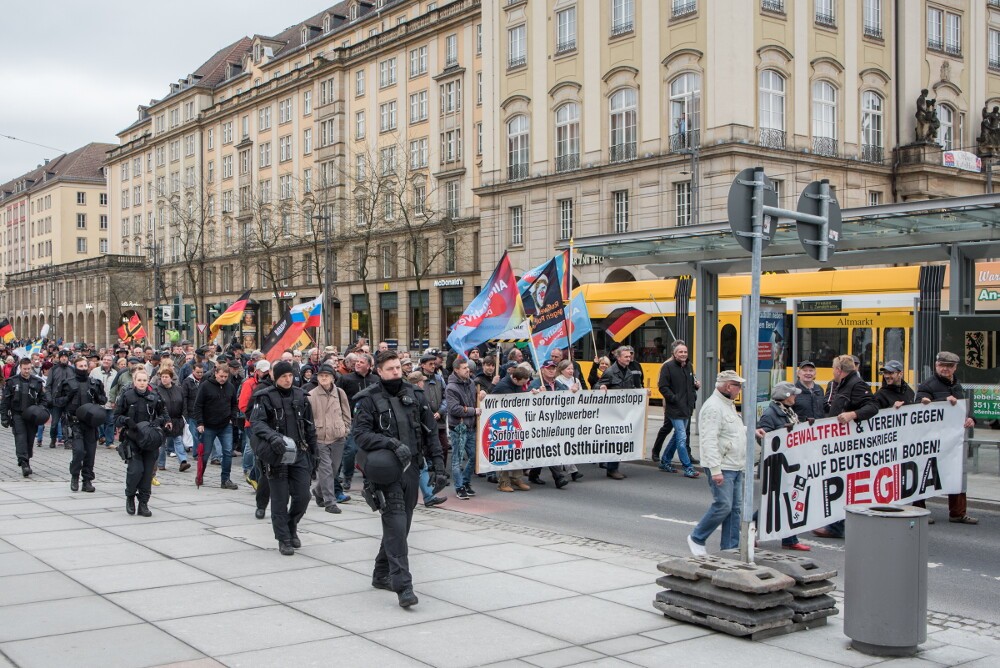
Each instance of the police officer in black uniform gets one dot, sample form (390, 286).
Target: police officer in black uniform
(394, 416)
(20, 393)
(72, 393)
(279, 412)
(140, 413)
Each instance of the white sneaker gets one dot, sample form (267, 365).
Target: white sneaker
(696, 549)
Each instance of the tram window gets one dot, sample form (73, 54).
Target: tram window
(821, 345)
(728, 344)
(862, 348)
(893, 345)
(652, 340)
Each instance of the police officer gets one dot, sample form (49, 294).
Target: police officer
(282, 412)
(72, 393)
(20, 393)
(139, 412)
(394, 416)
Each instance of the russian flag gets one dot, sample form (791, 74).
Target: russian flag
(310, 312)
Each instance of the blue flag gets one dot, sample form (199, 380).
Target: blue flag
(546, 340)
(579, 318)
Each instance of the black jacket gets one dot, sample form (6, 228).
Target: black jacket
(811, 403)
(617, 377)
(773, 417)
(483, 382)
(888, 395)
(353, 382)
(374, 428)
(852, 394)
(19, 394)
(189, 390)
(173, 403)
(937, 388)
(507, 386)
(215, 407)
(57, 374)
(277, 412)
(138, 408)
(677, 387)
(72, 393)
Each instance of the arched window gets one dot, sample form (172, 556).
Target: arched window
(517, 147)
(871, 126)
(623, 108)
(685, 111)
(824, 118)
(772, 109)
(946, 133)
(568, 137)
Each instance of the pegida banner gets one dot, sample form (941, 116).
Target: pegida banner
(525, 430)
(897, 457)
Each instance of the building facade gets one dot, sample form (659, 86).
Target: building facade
(339, 155)
(624, 115)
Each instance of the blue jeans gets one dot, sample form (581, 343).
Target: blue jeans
(678, 443)
(347, 463)
(425, 484)
(224, 435)
(727, 506)
(195, 436)
(175, 443)
(107, 430)
(463, 455)
(248, 456)
(55, 430)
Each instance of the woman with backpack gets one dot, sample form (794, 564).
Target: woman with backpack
(141, 415)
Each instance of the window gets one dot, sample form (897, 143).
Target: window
(953, 34)
(227, 133)
(387, 116)
(387, 160)
(360, 167)
(307, 176)
(772, 109)
(103, 246)
(284, 111)
(451, 51)
(137, 167)
(566, 30)
(175, 118)
(387, 72)
(875, 199)
(227, 201)
(479, 38)
(307, 103)
(388, 261)
(210, 139)
(189, 145)
(683, 8)
(285, 191)
(623, 125)
(479, 87)
(81, 221)
(418, 153)
(389, 206)
(263, 119)
(418, 107)
(161, 186)
(419, 198)
(516, 225)
(517, 148)
(871, 127)
(81, 244)
(824, 118)
(227, 166)
(326, 131)
(517, 54)
(567, 137)
(175, 182)
(104, 221)
(160, 156)
(451, 146)
(104, 199)
(418, 61)
(777, 6)
(620, 212)
(824, 13)
(451, 97)
(450, 256)
(685, 112)
(479, 138)
(124, 200)
(565, 219)
(622, 16)
(175, 150)
(935, 29)
(873, 19)
(945, 136)
(285, 148)
(359, 83)
(359, 125)
(210, 206)
(81, 197)
(307, 141)
(682, 203)
(452, 198)
(994, 50)
(265, 154)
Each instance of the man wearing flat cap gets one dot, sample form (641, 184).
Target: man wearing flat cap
(943, 386)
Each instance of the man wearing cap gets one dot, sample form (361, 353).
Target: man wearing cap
(60, 372)
(894, 391)
(780, 414)
(393, 416)
(810, 403)
(723, 442)
(281, 419)
(332, 412)
(22, 391)
(943, 386)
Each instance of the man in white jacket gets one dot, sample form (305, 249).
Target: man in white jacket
(723, 442)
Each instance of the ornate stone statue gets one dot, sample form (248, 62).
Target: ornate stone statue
(989, 132)
(927, 120)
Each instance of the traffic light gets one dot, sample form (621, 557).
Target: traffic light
(189, 312)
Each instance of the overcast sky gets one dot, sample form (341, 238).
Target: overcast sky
(74, 72)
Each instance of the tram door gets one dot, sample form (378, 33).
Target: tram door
(874, 338)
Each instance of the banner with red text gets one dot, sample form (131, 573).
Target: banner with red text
(811, 473)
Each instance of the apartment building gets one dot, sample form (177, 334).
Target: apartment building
(339, 155)
(624, 115)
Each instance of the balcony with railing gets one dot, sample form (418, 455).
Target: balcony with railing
(825, 146)
(871, 153)
(953, 48)
(517, 172)
(771, 138)
(685, 141)
(873, 30)
(993, 3)
(935, 44)
(622, 27)
(568, 162)
(517, 61)
(776, 6)
(566, 45)
(994, 63)
(826, 19)
(684, 8)
(623, 152)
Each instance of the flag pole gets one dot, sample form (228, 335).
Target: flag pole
(662, 317)
(566, 303)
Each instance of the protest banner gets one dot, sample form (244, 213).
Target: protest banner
(809, 474)
(519, 431)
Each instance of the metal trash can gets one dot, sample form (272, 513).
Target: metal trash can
(885, 579)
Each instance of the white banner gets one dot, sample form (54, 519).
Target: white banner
(899, 456)
(525, 430)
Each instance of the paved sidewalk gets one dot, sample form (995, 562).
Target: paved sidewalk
(201, 584)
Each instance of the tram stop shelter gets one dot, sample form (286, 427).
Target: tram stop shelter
(958, 230)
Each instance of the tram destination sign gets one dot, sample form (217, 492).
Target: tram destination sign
(821, 306)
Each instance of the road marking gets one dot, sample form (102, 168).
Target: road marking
(670, 519)
(931, 564)
(823, 546)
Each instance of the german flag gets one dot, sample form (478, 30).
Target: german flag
(132, 330)
(6, 331)
(230, 317)
(622, 322)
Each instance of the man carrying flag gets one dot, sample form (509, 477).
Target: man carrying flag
(6, 331)
(231, 316)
